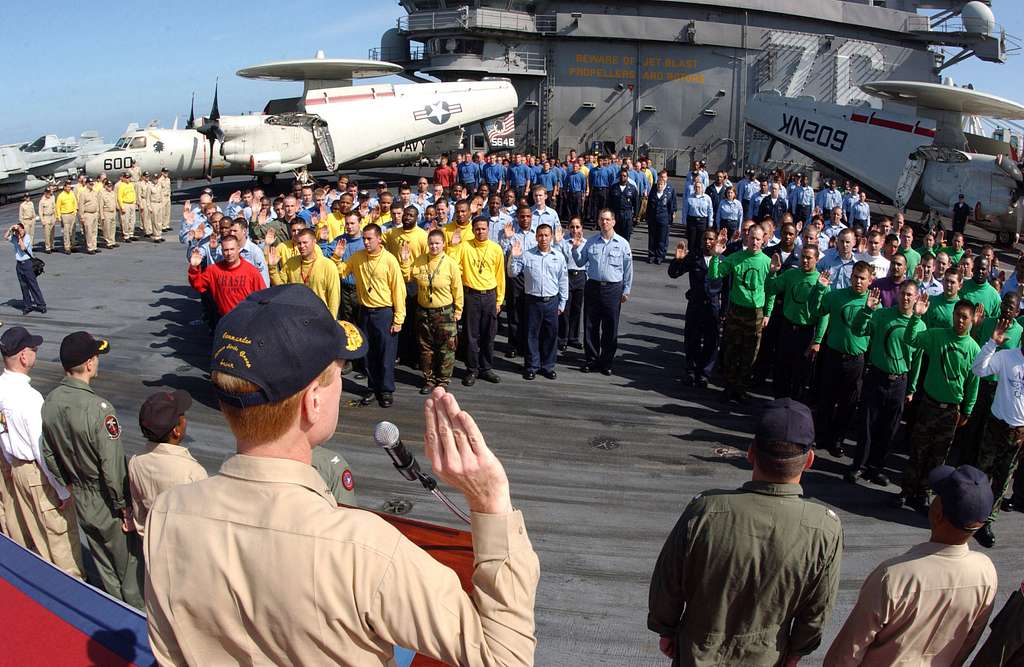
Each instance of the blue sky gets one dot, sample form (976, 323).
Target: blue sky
(106, 66)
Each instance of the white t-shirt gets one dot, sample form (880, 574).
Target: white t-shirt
(1008, 404)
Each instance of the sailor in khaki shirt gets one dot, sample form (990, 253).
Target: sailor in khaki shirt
(930, 605)
(89, 213)
(165, 461)
(27, 215)
(48, 216)
(108, 214)
(258, 565)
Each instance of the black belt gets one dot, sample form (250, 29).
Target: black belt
(542, 299)
(892, 377)
(577, 273)
(943, 406)
(448, 307)
(743, 309)
(479, 291)
(378, 308)
(696, 218)
(604, 283)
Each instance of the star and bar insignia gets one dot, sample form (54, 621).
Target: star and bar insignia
(438, 113)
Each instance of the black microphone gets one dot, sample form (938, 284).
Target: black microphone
(386, 436)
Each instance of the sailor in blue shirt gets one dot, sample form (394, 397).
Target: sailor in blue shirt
(498, 217)
(851, 197)
(829, 198)
(548, 178)
(730, 213)
(834, 225)
(469, 173)
(754, 205)
(31, 295)
(860, 212)
(546, 290)
(838, 262)
(661, 210)
(801, 201)
(624, 201)
(600, 179)
(520, 177)
(521, 231)
(700, 214)
(773, 206)
(542, 213)
(574, 185)
(609, 264)
(493, 173)
(350, 308)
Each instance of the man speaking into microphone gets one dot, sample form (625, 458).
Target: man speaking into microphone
(258, 564)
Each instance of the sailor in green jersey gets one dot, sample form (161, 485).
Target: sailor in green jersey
(940, 310)
(842, 360)
(977, 290)
(891, 363)
(969, 438)
(745, 318)
(956, 248)
(800, 300)
(950, 390)
(907, 249)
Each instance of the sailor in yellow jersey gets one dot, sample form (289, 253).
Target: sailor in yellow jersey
(381, 291)
(461, 225)
(439, 300)
(67, 213)
(285, 249)
(407, 235)
(482, 262)
(334, 221)
(126, 206)
(307, 267)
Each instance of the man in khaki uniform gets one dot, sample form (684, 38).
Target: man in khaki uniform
(42, 505)
(27, 215)
(262, 546)
(135, 172)
(928, 606)
(142, 188)
(82, 448)
(776, 554)
(127, 202)
(163, 188)
(89, 212)
(48, 216)
(108, 214)
(165, 462)
(67, 212)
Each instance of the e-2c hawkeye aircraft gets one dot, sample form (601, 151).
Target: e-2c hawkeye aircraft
(333, 125)
(914, 151)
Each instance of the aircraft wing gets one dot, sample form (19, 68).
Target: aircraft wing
(49, 167)
(869, 145)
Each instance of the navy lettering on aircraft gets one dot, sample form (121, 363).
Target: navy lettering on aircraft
(115, 163)
(412, 146)
(814, 132)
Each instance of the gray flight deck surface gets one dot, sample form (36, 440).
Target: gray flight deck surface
(600, 466)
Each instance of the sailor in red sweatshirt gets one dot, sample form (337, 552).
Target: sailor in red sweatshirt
(229, 281)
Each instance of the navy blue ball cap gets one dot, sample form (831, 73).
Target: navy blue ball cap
(280, 339)
(786, 420)
(966, 494)
(79, 347)
(16, 339)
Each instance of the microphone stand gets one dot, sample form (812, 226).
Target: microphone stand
(430, 484)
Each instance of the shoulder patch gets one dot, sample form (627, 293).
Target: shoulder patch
(103, 406)
(113, 428)
(347, 480)
(829, 513)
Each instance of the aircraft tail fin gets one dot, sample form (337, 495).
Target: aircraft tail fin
(500, 132)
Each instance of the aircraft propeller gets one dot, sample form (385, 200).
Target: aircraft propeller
(192, 113)
(211, 130)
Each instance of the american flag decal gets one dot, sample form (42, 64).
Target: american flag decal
(500, 128)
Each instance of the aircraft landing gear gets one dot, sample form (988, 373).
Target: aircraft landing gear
(266, 180)
(1006, 239)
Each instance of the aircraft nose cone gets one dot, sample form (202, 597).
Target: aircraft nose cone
(94, 167)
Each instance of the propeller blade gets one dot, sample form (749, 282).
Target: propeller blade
(192, 113)
(215, 111)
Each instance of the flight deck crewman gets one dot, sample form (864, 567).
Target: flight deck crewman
(48, 216)
(89, 212)
(262, 547)
(67, 213)
(27, 215)
(163, 198)
(774, 554)
(142, 188)
(126, 205)
(108, 214)
(82, 448)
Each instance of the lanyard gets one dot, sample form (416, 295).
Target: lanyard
(430, 277)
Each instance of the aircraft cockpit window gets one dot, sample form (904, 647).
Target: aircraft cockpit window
(138, 142)
(122, 142)
(35, 146)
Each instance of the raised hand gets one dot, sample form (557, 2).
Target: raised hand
(456, 237)
(559, 234)
(508, 229)
(325, 233)
(720, 242)
(681, 250)
(979, 315)
(921, 305)
(197, 234)
(919, 273)
(940, 237)
(269, 238)
(999, 334)
(825, 278)
(196, 258)
(273, 256)
(339, 248)
(577, 241)
(406, 253)
(874, 298)
(517, 248)
(776, 263)
(235, 197)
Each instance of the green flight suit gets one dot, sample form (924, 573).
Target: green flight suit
(337, 475)
(747, 577)
(913, 259)
(82, 447)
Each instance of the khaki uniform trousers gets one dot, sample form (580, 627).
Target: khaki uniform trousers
(165, 215)
(48, 224)
(128, 221)
(108, 225)
(53, 532)
(89, 229)
(149, 226)
(8, 511)
(67, 223)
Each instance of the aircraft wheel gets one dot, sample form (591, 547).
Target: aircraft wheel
(1005, 238)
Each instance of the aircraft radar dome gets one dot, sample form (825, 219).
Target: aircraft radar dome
(394, 46)
(978, 18)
